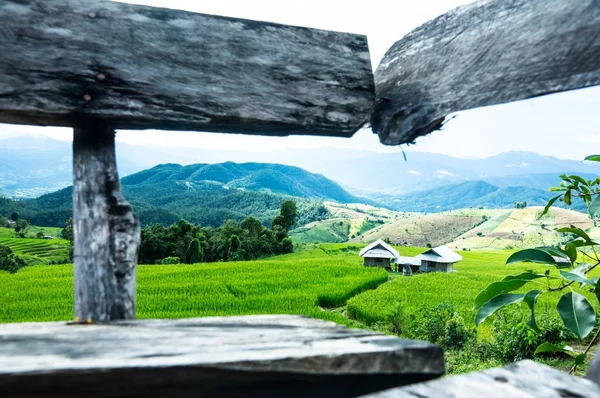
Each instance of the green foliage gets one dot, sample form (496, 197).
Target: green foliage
(14, 216)
(9, 261)
(194, 254)
(192, 244)
(520, 204)
(289, 213)
(295, 283)
(576, 312)
(168, 260)
(67, 232)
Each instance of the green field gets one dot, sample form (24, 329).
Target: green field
(325, 281)
(37, 251)
(300, 283)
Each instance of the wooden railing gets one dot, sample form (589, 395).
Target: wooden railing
(99, 66)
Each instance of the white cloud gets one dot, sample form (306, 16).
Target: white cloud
(414, 172)
(444, 173)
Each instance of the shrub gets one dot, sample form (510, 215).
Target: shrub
(168, 260)
(9, 261)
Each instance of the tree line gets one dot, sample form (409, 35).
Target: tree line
(190, 243)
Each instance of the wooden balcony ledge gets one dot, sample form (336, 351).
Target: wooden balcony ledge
(274, 355)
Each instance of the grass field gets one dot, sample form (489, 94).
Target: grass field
(473, 274)
(37, 251)
(298, 283)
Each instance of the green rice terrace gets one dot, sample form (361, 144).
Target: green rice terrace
(48, 250)
(325, 281)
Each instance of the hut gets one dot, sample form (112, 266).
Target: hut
(379, 254)
(439, 258)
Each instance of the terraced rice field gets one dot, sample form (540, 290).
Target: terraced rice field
(300, 283)
(34, 250)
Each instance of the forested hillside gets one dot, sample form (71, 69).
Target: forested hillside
(204, 194)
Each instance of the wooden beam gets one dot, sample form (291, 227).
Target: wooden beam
(525, 379)
(106, 232)
(66, 62)
(485, 53)
(253, 356)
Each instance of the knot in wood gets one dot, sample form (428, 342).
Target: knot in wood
(501, 379)
(87, 97)
(101, 76)
(92, 15)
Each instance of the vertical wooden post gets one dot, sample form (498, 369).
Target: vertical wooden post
(106, 231)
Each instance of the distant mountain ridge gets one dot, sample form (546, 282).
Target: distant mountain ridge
(469, 194)
(258, 177)
(207, 194)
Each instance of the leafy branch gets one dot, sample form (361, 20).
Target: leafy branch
(576, 312)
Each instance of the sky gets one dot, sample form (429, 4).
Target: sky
(541, 125)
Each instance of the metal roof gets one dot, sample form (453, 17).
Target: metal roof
(409, 260)
(440, 254)
(377, 249)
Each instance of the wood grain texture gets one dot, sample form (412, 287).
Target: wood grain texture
(485, 53)
(593, 372)
(105, 229)
(135, 67)
(525, 379)
(276, 355)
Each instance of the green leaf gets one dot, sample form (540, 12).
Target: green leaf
(579, 359)
(597, 291)
(577, 231)
(508, 284)
(571, 251)
(548, 347)
(530, 299)
(549, 205)
(577, 314)
(531, 255)
(571, 276)
(593, 158)
(594, 206)
(495, 304)
(578, 179)
(567, 198)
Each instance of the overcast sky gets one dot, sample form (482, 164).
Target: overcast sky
(542, 125)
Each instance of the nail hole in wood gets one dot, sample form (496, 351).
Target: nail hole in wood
(501, 379)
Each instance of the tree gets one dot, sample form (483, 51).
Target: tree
(21, 227)
(252, 225)
(235, 253)
(3, 222)
(194, 253)
(9, 261)
(565, 273)
(520, 204)
(67, 232)
(14, 216)
(289, 212)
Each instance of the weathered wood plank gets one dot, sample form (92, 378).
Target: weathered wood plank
(485, 53)
(106, 232)
(65, 62)
(276, 356)
(593, 372)
(525, 379)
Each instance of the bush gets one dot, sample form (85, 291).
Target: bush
(9, 261)
(168, 260)
(439, 325)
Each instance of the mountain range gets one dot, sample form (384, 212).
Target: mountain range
(31, 166)
(208, 192)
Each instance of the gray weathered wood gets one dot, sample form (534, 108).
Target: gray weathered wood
(593, 372)
(106, 232)
(276, 355)
(485, 53)
(65, 62)
(525, 379)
